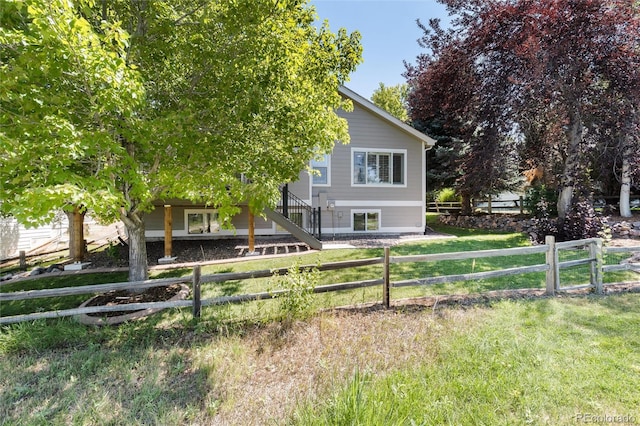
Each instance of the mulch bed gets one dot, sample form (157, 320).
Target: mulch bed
(123, 297)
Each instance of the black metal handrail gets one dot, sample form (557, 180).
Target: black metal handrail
(300, 213)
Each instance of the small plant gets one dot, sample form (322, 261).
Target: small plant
(447, 195)
(112, 251)
(541, 201)
(298, 302)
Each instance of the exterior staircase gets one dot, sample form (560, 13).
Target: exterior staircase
(299, 219)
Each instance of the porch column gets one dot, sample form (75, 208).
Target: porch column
(168, 230)
(168, 235)
(77, 237)
(252, 235)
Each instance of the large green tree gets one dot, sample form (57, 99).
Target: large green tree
(392, 99)
(65, 90)
(230, 88)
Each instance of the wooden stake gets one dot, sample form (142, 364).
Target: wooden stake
(387, 283)
(197, 303)
(595, 249)
(551, 280)
(23, 260)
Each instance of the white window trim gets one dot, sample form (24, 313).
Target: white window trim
(327, 158)
(355, 211)
(187, 212)
(380, 150)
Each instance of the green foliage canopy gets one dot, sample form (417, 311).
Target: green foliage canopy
(114, 104)
(65, 90)
(392, 99)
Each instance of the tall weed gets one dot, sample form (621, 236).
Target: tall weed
(298, 301)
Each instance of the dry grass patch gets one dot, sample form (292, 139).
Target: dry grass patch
(265, 375)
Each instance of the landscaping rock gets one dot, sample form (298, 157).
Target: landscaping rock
(37, 271)
(620, 228)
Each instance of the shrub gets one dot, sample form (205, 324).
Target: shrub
(543, 223)
(583, 221)
(298, 303)
(447, 195)
(541, 201)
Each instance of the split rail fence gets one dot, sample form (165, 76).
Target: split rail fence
(489, 205)
(592, 248)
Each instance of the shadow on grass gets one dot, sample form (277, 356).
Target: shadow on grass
(103, 359)
(20, 307)
(229, 288)
(174, 273)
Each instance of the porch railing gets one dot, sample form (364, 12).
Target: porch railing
(300, 213)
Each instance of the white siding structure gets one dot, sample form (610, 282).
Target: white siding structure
(15, 237)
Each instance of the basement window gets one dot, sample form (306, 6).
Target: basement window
(202, 222)
(364, 221)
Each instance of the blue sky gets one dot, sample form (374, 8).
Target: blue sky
(389, 35)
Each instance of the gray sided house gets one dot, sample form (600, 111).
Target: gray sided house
(375, 184)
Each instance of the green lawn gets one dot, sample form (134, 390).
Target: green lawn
(515, 362)
(550, 361)
(543, 361)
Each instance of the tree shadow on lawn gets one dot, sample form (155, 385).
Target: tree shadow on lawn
(133, 376)
(483, 242)
(140, 372)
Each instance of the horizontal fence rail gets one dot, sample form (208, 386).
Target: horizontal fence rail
(489, 205)
(473, 276)
(594, 253)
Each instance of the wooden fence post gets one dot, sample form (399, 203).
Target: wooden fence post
(595, 250)
(23, 260)
(551, 280)
(196, 291)
(489, 208)
(387, 284)
(521, 204)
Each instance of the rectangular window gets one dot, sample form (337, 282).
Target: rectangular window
(379, 167)
(202, 221)
(322, 171)
(366, 221)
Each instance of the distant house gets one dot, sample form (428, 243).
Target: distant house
(375, 184)
(15, 237)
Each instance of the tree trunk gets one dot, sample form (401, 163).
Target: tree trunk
(571, 166)
(625, 180)
(465, 207)
(76, 234)
(138, 265)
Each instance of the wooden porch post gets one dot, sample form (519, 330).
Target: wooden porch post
(77, 237)
(252, 236)
(168, 237)
(168, 231)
